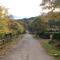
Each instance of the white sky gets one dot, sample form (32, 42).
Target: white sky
(23, 8)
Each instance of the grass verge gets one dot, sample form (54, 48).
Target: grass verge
(51, 50)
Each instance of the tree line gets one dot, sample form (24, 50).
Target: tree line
(9, 27)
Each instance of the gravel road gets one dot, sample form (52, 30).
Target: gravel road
(27, 49)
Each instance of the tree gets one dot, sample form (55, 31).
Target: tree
(37, 25)
(3, 12)
(50, 4)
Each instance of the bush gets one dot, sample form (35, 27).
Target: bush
(2, 35)
(56, 39)
(56, 36)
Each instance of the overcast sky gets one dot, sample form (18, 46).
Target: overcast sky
(23, 8)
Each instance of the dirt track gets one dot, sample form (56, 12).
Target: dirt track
(27, 49)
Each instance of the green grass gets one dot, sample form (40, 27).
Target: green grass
(51, 50)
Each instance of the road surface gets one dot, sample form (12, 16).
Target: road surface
(27, 49)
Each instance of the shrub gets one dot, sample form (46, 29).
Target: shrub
(2, 35)
(56, 39)
(56, 36)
